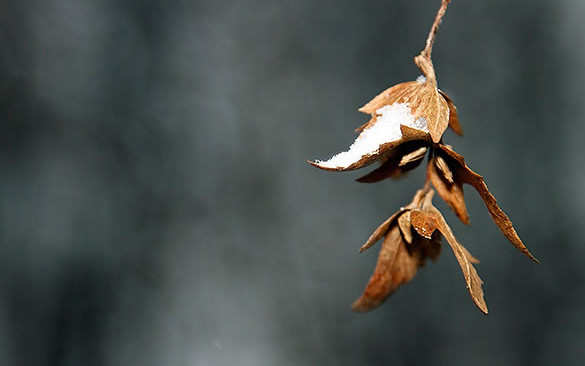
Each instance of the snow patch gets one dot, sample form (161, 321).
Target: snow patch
(385, 129)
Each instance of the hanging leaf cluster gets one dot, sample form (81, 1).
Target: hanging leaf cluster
(414, 233)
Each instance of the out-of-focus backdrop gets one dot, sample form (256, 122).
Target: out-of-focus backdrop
(156, 207)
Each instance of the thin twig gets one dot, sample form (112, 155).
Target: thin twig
(423, 60)
(434, 28)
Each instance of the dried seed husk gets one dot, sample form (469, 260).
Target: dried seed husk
(453, 116)
(452, 194)
(466, 175)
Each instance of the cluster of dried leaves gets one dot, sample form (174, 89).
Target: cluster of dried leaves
(414, 233)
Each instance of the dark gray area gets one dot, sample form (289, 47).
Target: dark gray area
(156, 207)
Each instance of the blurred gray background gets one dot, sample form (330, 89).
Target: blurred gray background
(156, 207)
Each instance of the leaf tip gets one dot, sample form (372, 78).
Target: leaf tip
(318, 164)
(436, 137)
(533, 258)
(313, 163)
(361, 306)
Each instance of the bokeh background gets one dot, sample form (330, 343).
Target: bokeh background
(156, 207)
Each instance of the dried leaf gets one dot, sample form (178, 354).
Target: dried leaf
(379, 232)
(397, 261)
(397, 264)
(416, 155)
(395, 267)
(465, 262)
(404, 225)
(364, 161)
(397, 93)
(424, 100)
(436, 112)
(469, 257)
(452, 194)
(443, 168)
(388, 169)
(426, 221)
(419, 109)
(385, 226)
(466, 175)
(423, 223)
(409, 133)
(453, 116)
(395, 165)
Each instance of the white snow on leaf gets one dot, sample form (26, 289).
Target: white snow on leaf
(421, 79)
(385, 129)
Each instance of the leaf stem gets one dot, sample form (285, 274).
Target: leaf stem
(431, 156)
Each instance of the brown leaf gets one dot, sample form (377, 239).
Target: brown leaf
(409, 133)
(365, 160)
(436, 112)
(380, 231)
(424, 100)
(465, 260)
(394, 267)
(423, 223)
(453, 116)
(398, 162)
(396, 93)
(469, 257)
(413, 156)
(466, 175)
(421, 218)
(388, 169)
(397, 261)
(404, 225)
(452, 194)
(385, 226)
(444, 168)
